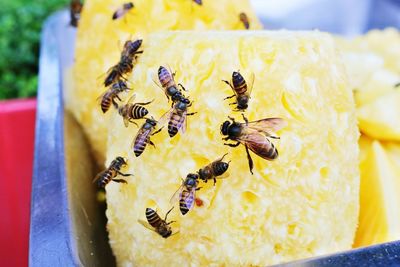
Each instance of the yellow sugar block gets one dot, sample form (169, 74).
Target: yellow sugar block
(303, 204)
(100, 40)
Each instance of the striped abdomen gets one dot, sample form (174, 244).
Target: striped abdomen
(175, 123)
(137, 111)
(165, 78)
(262, 146)
(106, 177)
(239, 83)
(153, 218)
(186, 201)
(106, 101)
(141, 142)
(219, 168)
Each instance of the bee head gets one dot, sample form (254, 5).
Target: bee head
(225, 127)
(185, 100)
(161, 69)
(151, 121)
(191, 179)
(128, 5)
(120, 160)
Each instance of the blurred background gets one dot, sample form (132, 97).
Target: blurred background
(21, 21)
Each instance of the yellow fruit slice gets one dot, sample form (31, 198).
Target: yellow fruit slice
(380, 119)
(379, 198)
(303, 204)
(100, 40)
(372, 63)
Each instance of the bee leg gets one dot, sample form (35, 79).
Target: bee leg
(138, 52)
(251, 165)
(245, 119)
(114, 104)
(156, 132)
(234, 103)
(229, 97)
(120, 181)
(232, 119)
(232, 145)
(274, 137)
(198, 188)
(190, 114)
(151, 143)
(228, 83)
(170, 222)
(132, 121)
(182, 87)
(166, 215)
(145, 103)
(125, 174)
(215, 181)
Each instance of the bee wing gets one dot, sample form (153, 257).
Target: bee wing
(166, 117)
(126, 121)
(266, 125)
(176, 196)
(131, 99)
(250, 84)
(184, 122)
(258, 143)
(146, 224)
(141, 131)
(189, 199)
(97, 177)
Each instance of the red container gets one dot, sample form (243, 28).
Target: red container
(17, 130)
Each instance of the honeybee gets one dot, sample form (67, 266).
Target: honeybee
(245, 20)
(109, 174)
(213, 170)
(254, 136)
(156, 224)
(176, 116)
(120, 12)
(186, 193)
(168, 84)
(109, 96)
(143, 136)
(125, 64)
(133, 111)
(75, 12)
(199, 2)
(241, 91)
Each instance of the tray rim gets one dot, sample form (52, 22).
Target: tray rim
(54, 244)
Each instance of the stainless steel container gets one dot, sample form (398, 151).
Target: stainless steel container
(67, 222)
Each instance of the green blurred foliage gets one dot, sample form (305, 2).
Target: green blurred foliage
(20, 25)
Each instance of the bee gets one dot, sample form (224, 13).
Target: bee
(109, 174)
(143, 136)
(186, 193)
(122, 10)
(75, 12)
(125, 64)
(199, 2)
(176, 116)
(156, 224)
(241, 91)
(254, 136)
(245, 20)
(133, 111)
(109, 96)
(213, 170)
(168, 84)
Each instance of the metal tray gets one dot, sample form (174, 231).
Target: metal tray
(68, 225)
